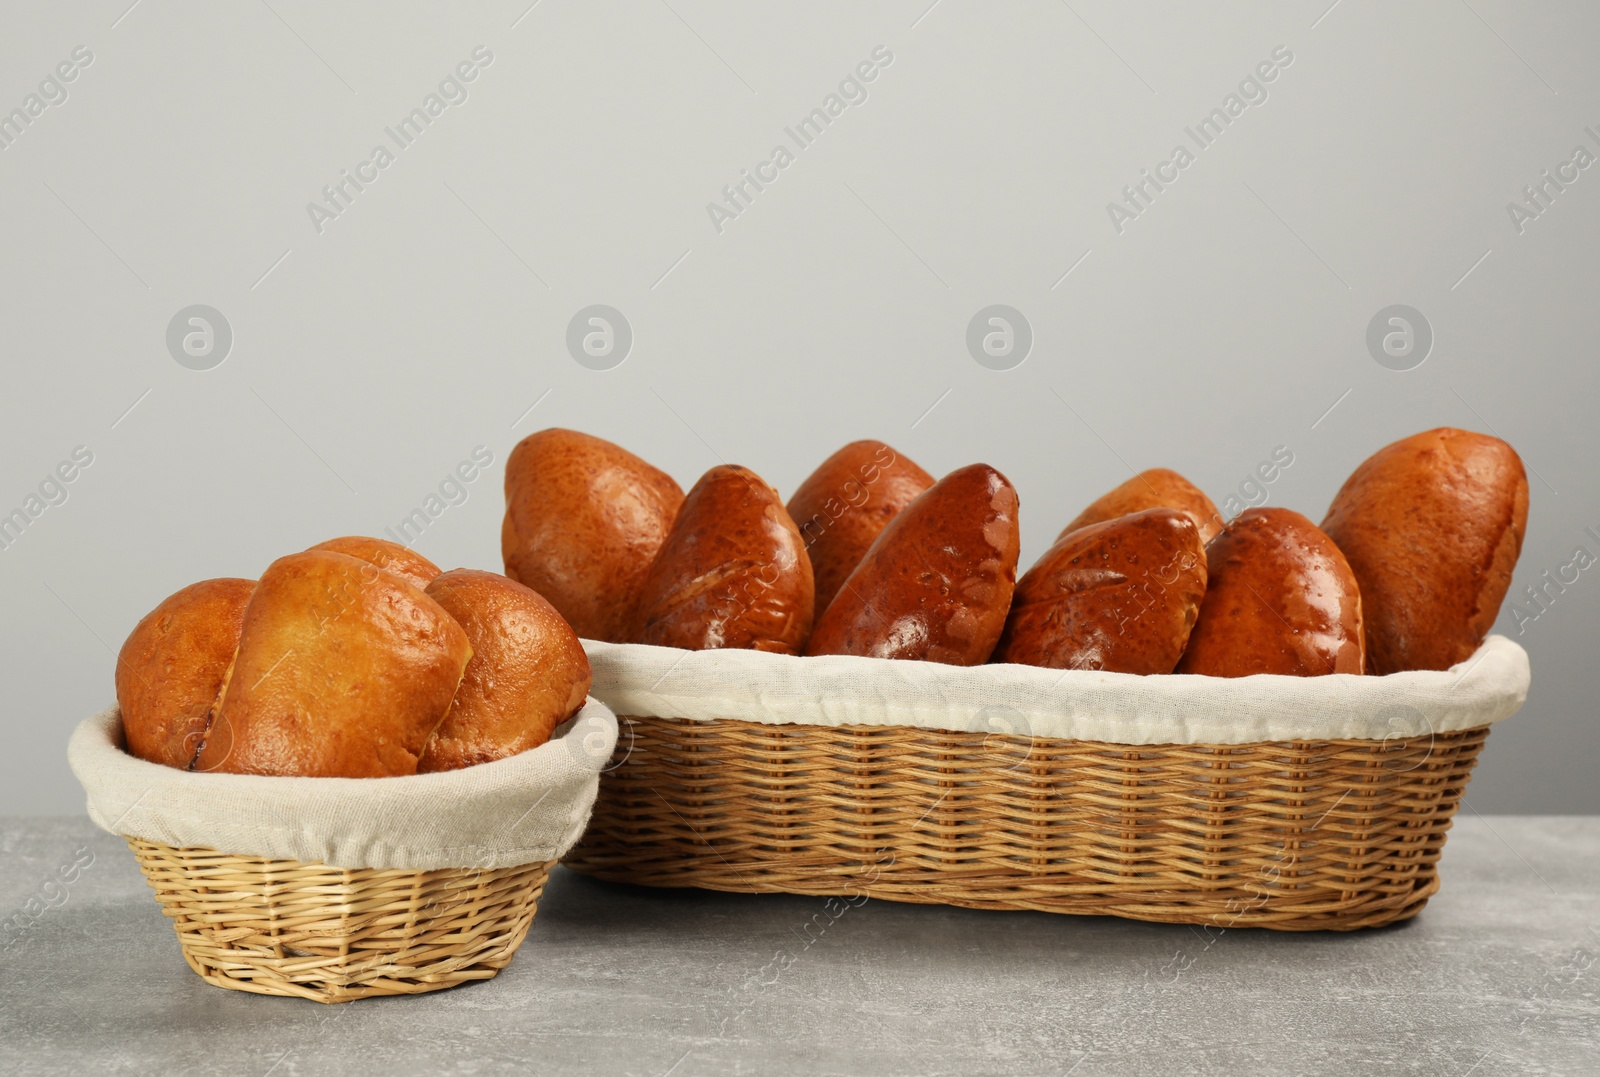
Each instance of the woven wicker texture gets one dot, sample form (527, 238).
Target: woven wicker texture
(1294, 836)
(283, 927)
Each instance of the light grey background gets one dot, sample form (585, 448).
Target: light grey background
(429, 318)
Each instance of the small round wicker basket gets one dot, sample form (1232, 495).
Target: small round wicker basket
(442, 872)
(285, 927)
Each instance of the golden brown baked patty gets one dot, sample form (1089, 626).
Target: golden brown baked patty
(389, 556)
(937, 582)
(1280, 598)
(844, 504)
(1432, 526)
(171, 668)
(528, 672)
(733, 571)
(1120, 596)
(1157, 488)
(343, 671)
(584, 520)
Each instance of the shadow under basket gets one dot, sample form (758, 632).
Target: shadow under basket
(1291, 835)
(284, 927)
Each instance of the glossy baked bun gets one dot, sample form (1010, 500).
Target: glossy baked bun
(343, 670)
(846, 502)
(584, 520)
(937, 582)
(171, 668)
(733, 571)
(1280, 598)
(1432, 526)
(389, 556)
(528, 672)
(1158, 488)
(1120, 596)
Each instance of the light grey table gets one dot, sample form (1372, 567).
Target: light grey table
(1498, 975)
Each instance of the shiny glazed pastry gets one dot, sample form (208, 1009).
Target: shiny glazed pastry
(1432, 526)
(841, 508)
(732, 572)
(528, 672)
(584, 520)
(1158, 488)
(1120, 596)
(389, 556)
(937, 582)
(1280, 598)
(343, 670)
(171, 668)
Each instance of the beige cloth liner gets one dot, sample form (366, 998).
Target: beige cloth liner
(530, 807)
(638, 680)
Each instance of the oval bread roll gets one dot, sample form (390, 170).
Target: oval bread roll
(389, 556)
(1158, 488)
(528, 672)
(343, 671)
(1432, 526)
(584, 520)
(843, 506)
(171, 668)
(1280, 598)
(937, 582)
(1120, 596)
(733, 571)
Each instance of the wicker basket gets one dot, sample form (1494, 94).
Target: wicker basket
(1314, 834)
(1296, 836)
(284, 927)
(444, 873)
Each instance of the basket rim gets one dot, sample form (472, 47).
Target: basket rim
(506, 813)
(289, 863)
(638, 680)
(1397, 738)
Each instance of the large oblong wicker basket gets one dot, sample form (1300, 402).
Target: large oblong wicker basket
(1294, 833)
(443, 878)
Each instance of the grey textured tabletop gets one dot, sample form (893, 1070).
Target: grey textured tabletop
(1496, 976)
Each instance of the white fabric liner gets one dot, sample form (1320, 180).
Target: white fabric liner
(642, 681)
(526, 808)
